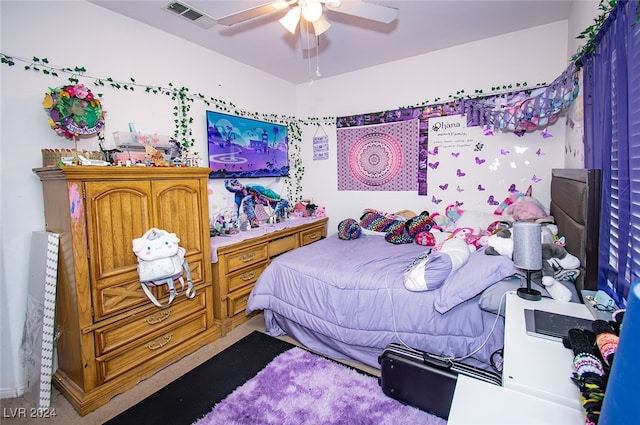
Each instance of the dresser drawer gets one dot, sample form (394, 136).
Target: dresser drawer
(237, 301)
(135, 327)
(121, 297)
(246, 276)
(247, 257)
(279, 246)
(312, 235)
(154, 345)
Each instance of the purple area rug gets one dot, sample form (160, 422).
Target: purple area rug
(299, 387)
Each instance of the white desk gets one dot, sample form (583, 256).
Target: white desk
(537, 366)
(479, 403)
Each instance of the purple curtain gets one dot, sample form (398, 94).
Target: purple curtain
(612, 144)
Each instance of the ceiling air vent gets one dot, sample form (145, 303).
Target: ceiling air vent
(191, 14)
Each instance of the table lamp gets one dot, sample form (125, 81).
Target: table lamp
(527, 254)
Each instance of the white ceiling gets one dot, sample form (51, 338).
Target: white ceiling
(351, 43)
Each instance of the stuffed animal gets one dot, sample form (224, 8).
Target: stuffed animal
(320, 212)
(549, 232)
(500, 243)
(396, 230)
(556, 262)
(554, 259)
(526, 208)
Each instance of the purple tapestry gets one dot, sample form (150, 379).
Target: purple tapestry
(380, 157)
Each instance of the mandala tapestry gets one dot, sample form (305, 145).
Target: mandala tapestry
(379, 157)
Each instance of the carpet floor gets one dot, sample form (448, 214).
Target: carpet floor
(302, 388)
(194, 394)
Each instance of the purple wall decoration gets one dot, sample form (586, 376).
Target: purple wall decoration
(378, 157)
(517, 112)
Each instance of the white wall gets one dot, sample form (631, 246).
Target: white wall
(533, 56)
(77, 33)
(113, 46)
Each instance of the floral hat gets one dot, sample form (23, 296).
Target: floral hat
(73, 111)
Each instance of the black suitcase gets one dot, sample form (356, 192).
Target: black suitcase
(423, 380)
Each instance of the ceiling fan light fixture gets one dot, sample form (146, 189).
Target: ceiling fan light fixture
(311, 10)
(291, 19)
(321, 25)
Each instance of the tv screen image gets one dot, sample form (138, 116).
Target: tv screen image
(244, 147)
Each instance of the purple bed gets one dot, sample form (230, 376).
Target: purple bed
(347, 299)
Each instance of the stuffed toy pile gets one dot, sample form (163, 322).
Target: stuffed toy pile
(557, 263)
(397, 228)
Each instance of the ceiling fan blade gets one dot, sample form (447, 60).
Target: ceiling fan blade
(361, 9)
(254, 12)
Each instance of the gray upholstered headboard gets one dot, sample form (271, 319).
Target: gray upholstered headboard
(575, 205)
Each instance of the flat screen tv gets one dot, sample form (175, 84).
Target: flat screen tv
(244, 147)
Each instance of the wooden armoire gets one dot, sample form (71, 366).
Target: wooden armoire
(108, 335)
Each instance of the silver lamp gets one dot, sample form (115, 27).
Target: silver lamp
(527, 254)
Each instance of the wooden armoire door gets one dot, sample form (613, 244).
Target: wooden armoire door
(117, 213)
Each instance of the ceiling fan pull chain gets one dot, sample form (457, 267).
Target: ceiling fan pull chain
(306, 30)
(318, 57)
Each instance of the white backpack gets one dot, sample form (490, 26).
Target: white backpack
(161, 261)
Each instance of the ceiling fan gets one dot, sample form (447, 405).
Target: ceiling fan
(312, 12)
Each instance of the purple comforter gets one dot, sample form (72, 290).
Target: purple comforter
(347, 299)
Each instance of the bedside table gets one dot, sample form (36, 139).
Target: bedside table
(537, 366)
(479, 403)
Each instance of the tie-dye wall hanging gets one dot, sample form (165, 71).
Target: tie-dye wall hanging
(382, 157)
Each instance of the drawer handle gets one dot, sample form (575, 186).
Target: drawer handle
(157, 318)
(247, 257)
(248, 275)
(159, 343)
(314, 235)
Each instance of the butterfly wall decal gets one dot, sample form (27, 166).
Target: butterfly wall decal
(444, 186)
(455, 154)
(491, 201)
(535, 179)
(434, 165)
(480, 188)
(460, 173)
(480, 161)
(434, 200)
(434, 151)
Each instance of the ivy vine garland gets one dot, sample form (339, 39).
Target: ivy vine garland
(83, 119)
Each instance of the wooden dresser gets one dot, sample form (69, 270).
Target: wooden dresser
(109, 335)
(239, 263)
